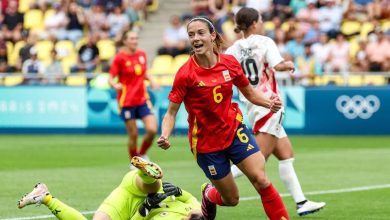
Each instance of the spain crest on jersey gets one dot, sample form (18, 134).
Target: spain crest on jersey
(226, 75)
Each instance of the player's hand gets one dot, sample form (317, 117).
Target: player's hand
(276, 103)
(118, 86)
(163, 142)
(171, 189)
(152, 201)
(290, 67)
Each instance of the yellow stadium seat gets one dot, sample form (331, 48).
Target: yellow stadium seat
(13, 59)
(178, 61)
(10, 47)
(355, 80)
(65, 48)
(24, 5)
(76, 80)
(106, 48)
(162, 65)
(350, 27)
(44, 49)
(154, 6)
(269, 25)
(33, 19)
(353, 47)
(385, 24)
(375, 80)
(13, 80)
(331, 80)
(285, 26)
(67, 63)
(366, 28)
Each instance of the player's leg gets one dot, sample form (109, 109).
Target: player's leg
(132, 132)
(284, 152)
(253, 168)
(41, 195)
(128, 115)
(150, 125)
(245, 153)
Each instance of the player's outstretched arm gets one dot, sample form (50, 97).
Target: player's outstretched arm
(257, 98)
(167, 125)
(285, 66)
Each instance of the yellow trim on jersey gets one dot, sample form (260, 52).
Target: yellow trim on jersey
(239, 117)
(194, 138)
(123, 96)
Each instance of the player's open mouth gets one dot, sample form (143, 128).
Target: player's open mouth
(197, 46)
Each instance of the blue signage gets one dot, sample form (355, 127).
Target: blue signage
(43, 107)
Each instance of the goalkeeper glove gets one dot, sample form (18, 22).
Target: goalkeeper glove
(152, 201)
(171, 190)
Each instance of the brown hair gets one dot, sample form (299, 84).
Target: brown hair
(245, 18)
(218, 42)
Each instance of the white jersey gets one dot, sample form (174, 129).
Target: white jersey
(257, 55)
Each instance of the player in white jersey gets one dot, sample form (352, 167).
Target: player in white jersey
(260, 58)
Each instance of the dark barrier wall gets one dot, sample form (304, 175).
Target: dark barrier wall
(322, 110)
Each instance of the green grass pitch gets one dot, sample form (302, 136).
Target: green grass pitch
(81, 170)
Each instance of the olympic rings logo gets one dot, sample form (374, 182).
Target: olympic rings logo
(358, 106)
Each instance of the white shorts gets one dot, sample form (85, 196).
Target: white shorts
(273, 125)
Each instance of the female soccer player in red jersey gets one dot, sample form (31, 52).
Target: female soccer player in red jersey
(129, 66)
(217, 134)
(259, 58)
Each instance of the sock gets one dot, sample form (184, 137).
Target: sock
(61, 210)
(214, 196)
(144, 147)
(273, 204)
(290, 180)
(132, 151)
(145, 178)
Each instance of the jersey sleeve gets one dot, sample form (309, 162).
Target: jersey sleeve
(272, 55)
(114, 69)
(179, 87)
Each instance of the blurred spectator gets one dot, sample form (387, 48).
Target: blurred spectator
(297, 5)
(280, 40)
(135, 10)
(321, 49)
(381, 9)
(109, 5)
(308, 66)
(33, 68)
(378, 51)
(360, 62)
(282, 9)
(219, 13)
(24, 52)
(12, 22)
(88, 56)
(53, 73)
(338, 59)
(3, 56)
(313, 34)
(361, 10)
(330, 17)
(117, 22)
(307, 16)
(295, 46)
(85, 4)
(200, 8)
(74, 22)
(175, 38)
(97, 21)
(55, 24)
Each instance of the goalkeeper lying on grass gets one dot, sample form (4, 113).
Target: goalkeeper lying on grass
(140, 196)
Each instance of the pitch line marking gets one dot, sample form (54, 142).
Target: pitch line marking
(332, 191)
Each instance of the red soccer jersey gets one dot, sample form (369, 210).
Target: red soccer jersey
(207, 95)
(131, 70)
